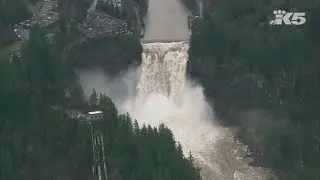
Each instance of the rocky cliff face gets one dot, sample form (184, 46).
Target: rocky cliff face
(113, 54)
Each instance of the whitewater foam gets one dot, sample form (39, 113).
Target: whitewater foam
(165, 96)
(159, 92)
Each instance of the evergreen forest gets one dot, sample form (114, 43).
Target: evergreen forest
(39, 140)
(264, 79)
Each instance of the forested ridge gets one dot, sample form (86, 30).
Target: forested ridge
(264, 79)
(140, 152)
(107, 53)
(38, 140)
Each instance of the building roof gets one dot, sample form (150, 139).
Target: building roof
(95, 112)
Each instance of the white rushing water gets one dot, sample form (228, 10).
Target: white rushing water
(161, 72)
(165, 95)
(160, 92)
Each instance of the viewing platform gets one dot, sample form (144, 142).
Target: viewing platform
(86, 117)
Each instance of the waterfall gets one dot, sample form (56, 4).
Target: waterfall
(159, 92)
(165, 95)
(163, 69)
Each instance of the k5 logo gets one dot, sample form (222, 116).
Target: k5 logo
(288, 18)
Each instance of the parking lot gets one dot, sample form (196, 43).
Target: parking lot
(96, 24)
(99, 23)
(44, 17)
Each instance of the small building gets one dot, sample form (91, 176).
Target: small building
(91, 116)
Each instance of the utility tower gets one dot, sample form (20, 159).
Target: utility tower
(99, 168)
